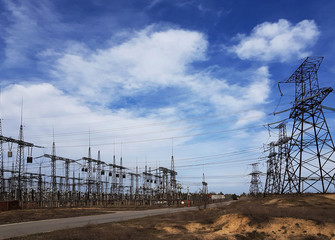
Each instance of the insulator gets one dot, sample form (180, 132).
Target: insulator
(117, 175)
(110, 174)
(10, 154)
(102, 172)
(29, 159)
(124, 176)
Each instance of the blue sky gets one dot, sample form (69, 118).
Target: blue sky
(141, 73)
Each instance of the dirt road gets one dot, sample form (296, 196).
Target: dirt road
(26, 228)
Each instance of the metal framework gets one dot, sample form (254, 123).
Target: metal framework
(271, 176)
(204, 189)
(43, 186)
(282, 152)
(255, 183)
(2, 180)
(309, 165)
(18, 169)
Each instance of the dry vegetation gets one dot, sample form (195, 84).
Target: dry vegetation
(24, 215)
(275, 217)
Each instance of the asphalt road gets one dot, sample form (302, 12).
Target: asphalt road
(27, 228)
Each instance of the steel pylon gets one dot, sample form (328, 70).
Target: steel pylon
(255, 183)
(271, 177)
(310, 166)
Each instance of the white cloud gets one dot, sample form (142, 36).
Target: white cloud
(249, 117)
(280, 40)
(155, 59)
(235, 98)
(148, 59)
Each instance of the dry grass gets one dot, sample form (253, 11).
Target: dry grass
(318, 208)
(24, 215)
(308, 217)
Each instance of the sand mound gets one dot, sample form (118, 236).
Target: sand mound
(232, 223)
(276, 228)
(284, 227)
(171, 230)
(330, 196)
(232, 226)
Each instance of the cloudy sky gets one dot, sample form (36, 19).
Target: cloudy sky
(147, 77)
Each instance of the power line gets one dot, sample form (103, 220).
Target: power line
(166, 138)
(155, 124)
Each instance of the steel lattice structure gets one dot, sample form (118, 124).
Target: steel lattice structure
(204, 189)
(271, 177)
(2, 181)
(255, 183)
(282, 145)
(309, 164)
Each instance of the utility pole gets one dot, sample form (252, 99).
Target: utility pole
(40, 190)
(73, 183)
(121, 179)
(204, 185)
(188, 197)
(310, 162)
(53, 171)
(136, 180)
(98, 183)
(131, 189)
(173, 176)
(204, 190)
(173, 179)
(114, 179)
(67, 182)
(89, 175)
(19, 164)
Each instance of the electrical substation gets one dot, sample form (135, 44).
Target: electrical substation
(92, 182)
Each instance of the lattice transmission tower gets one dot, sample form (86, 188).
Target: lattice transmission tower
(309, 164)
(271, 177)
(282, 151)
(2, 176)
(19, 164)
(204, 189)
(255, 183)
